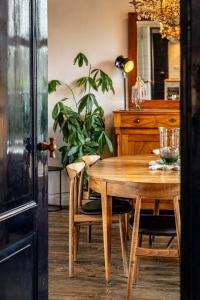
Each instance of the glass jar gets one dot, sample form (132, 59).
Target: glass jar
(139, 92)
(169, 144)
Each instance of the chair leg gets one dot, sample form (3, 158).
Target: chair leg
(123, 237)
(127, 217)
(89, 233)
(137, 260)
(170, 241)
(177, 220)
(140, 240)
(76, 240)
(71, 251)
(150, 241)
(134, 244)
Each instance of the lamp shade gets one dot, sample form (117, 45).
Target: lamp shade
(125, 64)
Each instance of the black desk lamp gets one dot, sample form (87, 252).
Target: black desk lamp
(126, 65)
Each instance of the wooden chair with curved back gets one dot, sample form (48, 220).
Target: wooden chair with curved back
(90, 212)
(90, 160)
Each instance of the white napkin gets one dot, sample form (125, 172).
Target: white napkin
(159, 165)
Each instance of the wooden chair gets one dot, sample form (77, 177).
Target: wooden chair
(153, 225)
(88, 213)
(90, 160)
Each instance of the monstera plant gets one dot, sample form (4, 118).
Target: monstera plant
(82, 125)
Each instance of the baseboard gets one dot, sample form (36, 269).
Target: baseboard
(55, 199)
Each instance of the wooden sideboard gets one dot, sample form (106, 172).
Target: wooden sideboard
(137, 131)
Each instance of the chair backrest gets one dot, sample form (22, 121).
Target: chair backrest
(75, 172)
(90, 159)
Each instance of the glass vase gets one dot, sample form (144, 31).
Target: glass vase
(169, 144)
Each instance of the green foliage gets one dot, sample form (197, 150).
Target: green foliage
(83, 129)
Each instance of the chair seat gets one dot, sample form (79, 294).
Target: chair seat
(156, 225)
(95, 196)
(94, 207)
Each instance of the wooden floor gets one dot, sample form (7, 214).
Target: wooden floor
(158, 279)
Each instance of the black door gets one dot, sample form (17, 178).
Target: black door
(23, 169)
(159, 64)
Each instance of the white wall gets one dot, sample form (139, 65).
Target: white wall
(174, 60)
(97, 28)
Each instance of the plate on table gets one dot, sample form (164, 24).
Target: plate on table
(156, 151)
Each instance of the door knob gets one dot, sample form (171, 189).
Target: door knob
(51, 147)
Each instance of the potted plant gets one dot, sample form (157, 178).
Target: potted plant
(82, 127)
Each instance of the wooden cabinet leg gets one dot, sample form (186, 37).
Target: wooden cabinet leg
(107, 222)
(134, 244)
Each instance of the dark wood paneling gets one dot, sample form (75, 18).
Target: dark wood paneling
(17, 271)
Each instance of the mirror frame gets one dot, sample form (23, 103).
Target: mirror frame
(132, 54)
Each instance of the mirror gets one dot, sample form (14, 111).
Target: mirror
(157, 61)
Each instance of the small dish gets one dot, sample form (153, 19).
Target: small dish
(156, 151)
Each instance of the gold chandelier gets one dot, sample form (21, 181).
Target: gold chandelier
(166, 12)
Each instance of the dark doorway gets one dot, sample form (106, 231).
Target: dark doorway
(159, 64)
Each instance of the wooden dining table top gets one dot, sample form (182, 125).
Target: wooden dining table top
(132, 169)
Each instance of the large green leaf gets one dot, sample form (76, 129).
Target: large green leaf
(109, 143)
(57, 109)
(81, 59)
(73, 150)
(82, 104)
(52, 86)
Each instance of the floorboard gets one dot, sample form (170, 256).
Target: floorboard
(158, 279)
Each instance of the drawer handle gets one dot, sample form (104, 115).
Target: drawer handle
(172, 120)
(137, 121)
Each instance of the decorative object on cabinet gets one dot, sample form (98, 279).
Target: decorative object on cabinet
(139, 92)
(82, 126)
(169, 145)
(172, 89)
(126, 65)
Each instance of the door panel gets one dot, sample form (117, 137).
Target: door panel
(23, 169)
(16, 78)
(17, 269)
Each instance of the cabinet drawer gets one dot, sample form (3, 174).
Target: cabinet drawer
(168, 121)
(150, 121)
(137, 121)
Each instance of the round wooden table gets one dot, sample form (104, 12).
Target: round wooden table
(130, 177)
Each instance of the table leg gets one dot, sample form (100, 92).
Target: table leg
(134, 245)
(107, 223)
